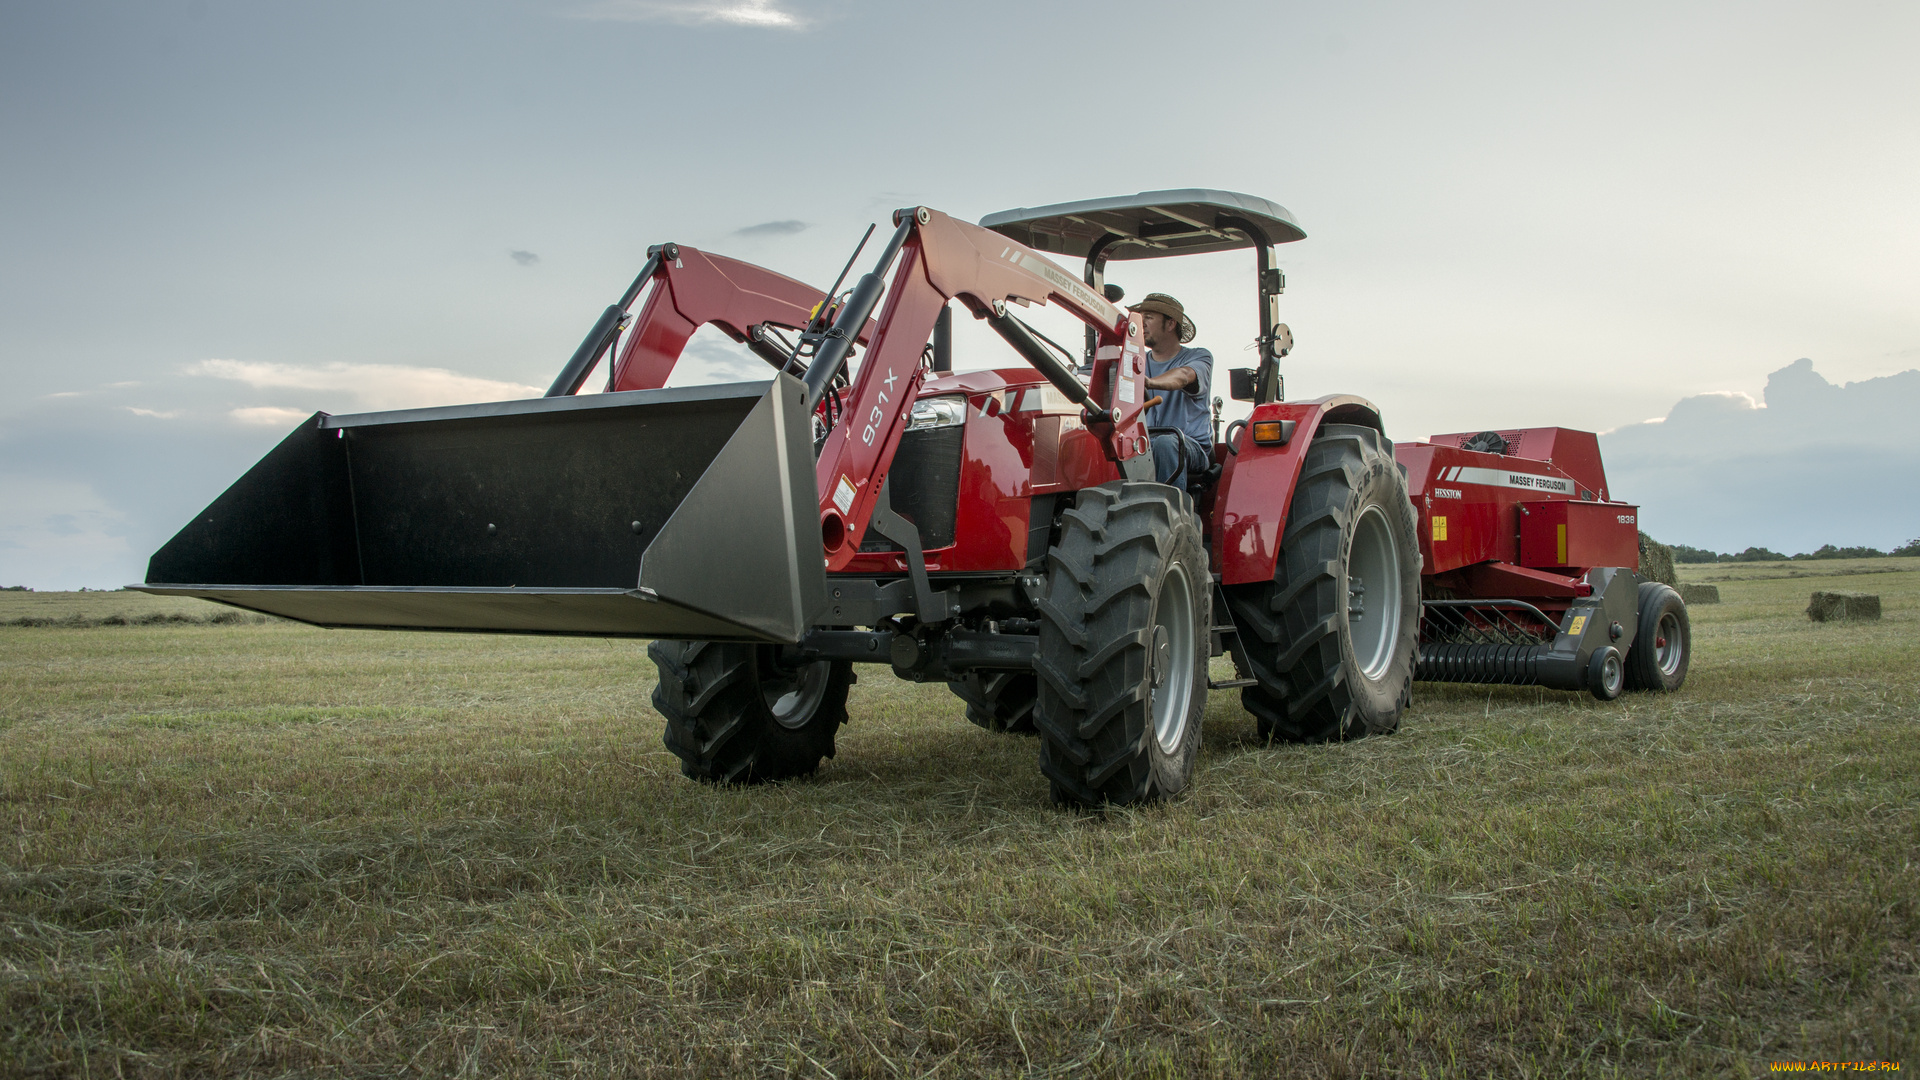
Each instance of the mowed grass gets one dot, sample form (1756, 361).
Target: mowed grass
(267, 849)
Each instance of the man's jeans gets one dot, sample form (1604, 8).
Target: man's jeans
(1166, 459)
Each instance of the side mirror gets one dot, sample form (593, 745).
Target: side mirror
(1240, 383)
(1114, 292)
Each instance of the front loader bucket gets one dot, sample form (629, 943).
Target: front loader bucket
(688, 513)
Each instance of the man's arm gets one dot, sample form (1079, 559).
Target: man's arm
(1173, 379)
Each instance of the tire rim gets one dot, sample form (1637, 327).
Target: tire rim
(793, 695)
(1667, 647)
(1612, 672)
(1170, 658)
(1373, 593)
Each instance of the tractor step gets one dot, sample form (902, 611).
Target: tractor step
(1230, 684)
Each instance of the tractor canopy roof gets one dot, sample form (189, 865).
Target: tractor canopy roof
(1183, 221)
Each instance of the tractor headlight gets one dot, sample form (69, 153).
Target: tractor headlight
(938, 412)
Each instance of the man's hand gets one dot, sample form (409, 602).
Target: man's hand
(1176, 379)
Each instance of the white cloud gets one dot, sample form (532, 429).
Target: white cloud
(158, 414)
(1812, 464)
(756, 13)
(268, 416)
(364, 386)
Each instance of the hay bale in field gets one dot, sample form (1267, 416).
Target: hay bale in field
(1656, 562)
(1700, 594)
(1843, 606)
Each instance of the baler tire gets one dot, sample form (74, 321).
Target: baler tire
(735, 716)
(1296, 631)
(1663, 617)
(1122, 661)
(999, 701)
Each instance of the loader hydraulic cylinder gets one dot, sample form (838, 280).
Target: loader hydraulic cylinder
(600, 338)
(943, 342)
(859, 307)
(1045, 361)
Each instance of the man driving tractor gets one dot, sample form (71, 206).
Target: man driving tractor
(1184, 375)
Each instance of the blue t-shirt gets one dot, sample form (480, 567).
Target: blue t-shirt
(1185, 408)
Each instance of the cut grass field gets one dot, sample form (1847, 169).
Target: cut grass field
(264, 849)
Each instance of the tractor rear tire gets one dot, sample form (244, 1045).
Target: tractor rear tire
(1122, 660)
(736, 716)
(1000, 701)
(1662, 643)
(1332, 638)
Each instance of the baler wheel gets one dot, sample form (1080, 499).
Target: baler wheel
(734, 715)
(1331, 639)
(1606, 673)
(1122, 664)
(999, 700)
(1663, 643)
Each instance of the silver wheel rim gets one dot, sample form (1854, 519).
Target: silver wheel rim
(1611, 672)
(1666, 644)
(1373, 593)
(793, 696)
(1170, 658)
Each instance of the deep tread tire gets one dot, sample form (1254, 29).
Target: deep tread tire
(1644, 668)
(720, 724)
(1118, 550)
(999, 701)
(1295, 635)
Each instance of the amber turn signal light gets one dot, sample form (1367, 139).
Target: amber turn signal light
(1270, 432)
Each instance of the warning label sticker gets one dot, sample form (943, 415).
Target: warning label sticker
(1439, 528)
(843, 495)
(1126, 390)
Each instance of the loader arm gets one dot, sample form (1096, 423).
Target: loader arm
(665, 513)
(694, 288)
(942, 258)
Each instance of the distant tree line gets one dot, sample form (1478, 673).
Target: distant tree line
(1685, 554)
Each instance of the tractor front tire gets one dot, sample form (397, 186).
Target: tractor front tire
(737, 716)
(1331, 639)
(1662, 642)
(999, 701)
(1122, 660)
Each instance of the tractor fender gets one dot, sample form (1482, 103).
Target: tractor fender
(1256, 484)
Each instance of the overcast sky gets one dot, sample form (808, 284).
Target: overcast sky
(217, 217)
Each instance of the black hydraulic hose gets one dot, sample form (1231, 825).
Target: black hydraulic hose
(1046, 362)
(574, 374)
(832, 354)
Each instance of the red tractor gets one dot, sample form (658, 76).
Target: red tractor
(1000, 530)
